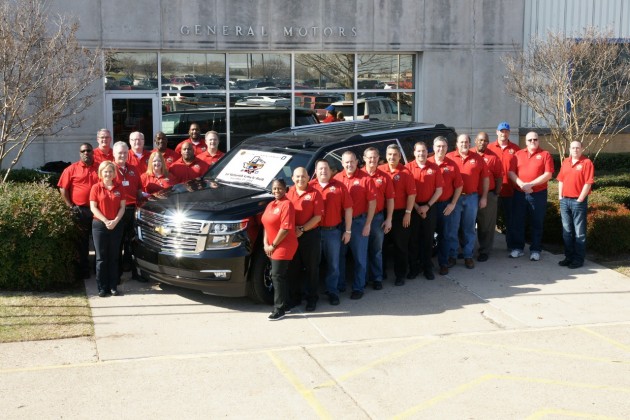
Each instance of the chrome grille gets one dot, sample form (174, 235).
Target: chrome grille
(169, 235)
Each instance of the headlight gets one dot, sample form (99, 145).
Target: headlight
(222, 228)
(225, 234)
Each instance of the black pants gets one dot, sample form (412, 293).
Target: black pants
(399, 238)
(421, 241)
(83, 218)
(303, 274)
(125, 245)
(279, 270)
(107, 247)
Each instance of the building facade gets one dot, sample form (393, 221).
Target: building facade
(434, 60)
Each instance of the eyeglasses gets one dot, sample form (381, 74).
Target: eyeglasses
(86, 151)
(531, 140)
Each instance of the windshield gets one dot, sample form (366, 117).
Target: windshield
(257, 166)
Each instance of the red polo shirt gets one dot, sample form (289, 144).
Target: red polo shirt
(384, 188)
(336, 200)
(427, 178)
(211, 159)
(100, 156)
(575, 175)
(78, 179)
(451, 176)
(141, 162)
(307, 205)
(495, 168)
(199, 148)
(529, 167)
(473, 169)
(107, 201)
(508, 161)
(152, 183)
(129, 180)
(186, 171)
(403, 183)
(170, 156)
(280, 214)
(361, 189)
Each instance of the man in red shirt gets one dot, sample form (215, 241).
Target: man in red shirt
(474, 173)
(404, 199)
(534, 167)
(429, 184)
(505, 150)
(448, 210)
(304, 268)
(194, 139)
(330, 114)
(161, 145)
(212, 153)
(382, 222)
(104, 151)
(487, 217)
(138, 157)
(363, 193)
(575, 180)
(128, 177)
(189, 166)
(335, 226)
(74, 185)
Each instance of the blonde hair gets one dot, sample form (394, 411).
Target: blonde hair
(104, 164)
(159, 156)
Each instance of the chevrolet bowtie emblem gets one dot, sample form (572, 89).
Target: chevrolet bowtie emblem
(164, 231)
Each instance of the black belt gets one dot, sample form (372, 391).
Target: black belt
(329, 227)
(356, 217)
(130, 207)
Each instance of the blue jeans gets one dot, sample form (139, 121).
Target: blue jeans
(359, 246)
(446, 231)
(469, 205)
(533, 207)
(331, 242)
(375, 248)
(574, 228)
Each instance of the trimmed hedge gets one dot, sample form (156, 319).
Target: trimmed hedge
(31, 175)
(37, 250)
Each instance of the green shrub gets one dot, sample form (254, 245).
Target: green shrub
(37, 246)
(612, 162)
(619, 195)
(611, 179)
(31, 175)
(608, 229)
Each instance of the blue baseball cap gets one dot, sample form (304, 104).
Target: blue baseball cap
(503, 126)
(330, 108)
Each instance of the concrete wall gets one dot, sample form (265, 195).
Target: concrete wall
(459, 44)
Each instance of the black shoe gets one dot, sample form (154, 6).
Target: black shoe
(378, 285)
(413, 274)
(575, 265)
(276, 315)
(451, 262)
(115, 292)
(342, 288)
(356, 295)
(333, 299)
(443, 270)
(399, 281)
(564, 263)
(102, 293)
(482, 257)
(429, 274)
(311, 305)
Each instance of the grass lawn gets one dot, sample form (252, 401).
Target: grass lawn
(26, 316)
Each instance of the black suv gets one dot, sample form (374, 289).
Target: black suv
(244, 122)
(206, 234)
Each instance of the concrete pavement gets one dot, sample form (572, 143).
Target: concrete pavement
(508, 339)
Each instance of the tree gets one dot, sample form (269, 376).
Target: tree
(578, 87)
(44, 76)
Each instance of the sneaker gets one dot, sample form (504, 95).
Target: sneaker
(102, 293)
(333, 299)
(276, 315)
(534, 256)
(564, 263)
(115, 292)
(516, 253)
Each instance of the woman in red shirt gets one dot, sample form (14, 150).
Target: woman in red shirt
(280, 243)
(108, 207)
(157, 177)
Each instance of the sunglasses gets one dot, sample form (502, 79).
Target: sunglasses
(86, 151)
(532, 140)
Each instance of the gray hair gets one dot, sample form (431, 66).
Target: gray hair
(120, 144)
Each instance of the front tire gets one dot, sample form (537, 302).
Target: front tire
(259, 284)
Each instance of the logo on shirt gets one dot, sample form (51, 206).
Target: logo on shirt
(333, 189)
(538, 157)
(132, 173)
(308, 197)
(473, 162)
(446, 169)
(396, 177)
(511, 151)
(276, 211)
(254, 165)
(196, 166)
(356, 182)
(578, 167)
(117, 193)
(379, 181)
(430, 171)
